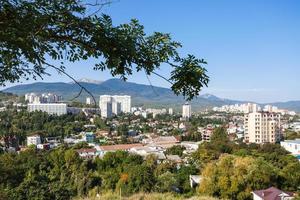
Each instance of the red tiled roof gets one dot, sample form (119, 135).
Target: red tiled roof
(86, 150)
(119, 147)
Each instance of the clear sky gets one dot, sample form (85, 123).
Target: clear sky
(252, 46)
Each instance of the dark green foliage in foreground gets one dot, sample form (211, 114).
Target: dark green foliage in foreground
(61, 174)
(250, 167)
(33, 32)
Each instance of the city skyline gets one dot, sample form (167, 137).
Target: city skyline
(251, 48)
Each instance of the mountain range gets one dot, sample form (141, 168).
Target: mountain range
(142, 95)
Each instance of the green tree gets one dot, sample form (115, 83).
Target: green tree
(175, 150)
(33, 31)
(166, 182)
(233, 177)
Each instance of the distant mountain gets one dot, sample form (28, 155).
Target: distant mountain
(86, 80)
(141, 94)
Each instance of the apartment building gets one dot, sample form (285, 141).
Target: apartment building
(186, 110)
(114, 105)
(50, 108)
(42, 98)
(262, 127)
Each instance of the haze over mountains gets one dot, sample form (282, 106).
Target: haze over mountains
(141, 94)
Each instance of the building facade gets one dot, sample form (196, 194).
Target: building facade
(114, 105)
(292, 146)
(50, 108)
(88, 101)
(170, 111)
(262, 127)
(33, 140)
(42, 98)
(186, 110)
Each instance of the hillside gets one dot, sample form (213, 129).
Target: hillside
(141, 94)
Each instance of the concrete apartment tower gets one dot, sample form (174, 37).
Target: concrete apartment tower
(262, 127)
(114, 105)
(88, 101)
(186, 111)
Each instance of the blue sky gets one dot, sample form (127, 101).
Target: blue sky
(252, 47)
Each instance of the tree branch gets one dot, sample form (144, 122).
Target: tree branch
(79, 84)
(151, 84)
(162, 77)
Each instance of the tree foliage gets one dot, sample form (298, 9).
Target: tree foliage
(235, 177)
(34, 32)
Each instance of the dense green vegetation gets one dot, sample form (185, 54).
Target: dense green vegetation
(232, 171)
(22, 123)
(144, 196)
(175, 150)
(61, 174)
(291, 135)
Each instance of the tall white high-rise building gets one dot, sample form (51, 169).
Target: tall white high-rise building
(262, 127)
(124, 101)
(105, 105)
(114, 105)
(186, 110)
(42, 98)
(88, 101)
(170, 111)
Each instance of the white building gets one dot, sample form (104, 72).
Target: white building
(33, 140)
(42, 98)
(88, 101)
(238, 108)
(155, 111)
(186, 111)
(50, 108)
(105, 104)
(262, 127)
(170, 111)
(30, 97)
(292, 146)
(114, 105)
(124, 101)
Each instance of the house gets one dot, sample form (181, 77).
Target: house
(33, 140)
(272, 193)
(195, 180)
(174, 158)
(118, 147)
(162, 141)
(148, 150)
(190, 146)
(292, 146)
(89, 137)
(88, 153)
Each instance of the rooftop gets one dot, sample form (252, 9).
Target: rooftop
(272, 193)
(296, 141)
(86, 150)
(119, 147)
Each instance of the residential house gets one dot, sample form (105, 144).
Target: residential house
(272, 193)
